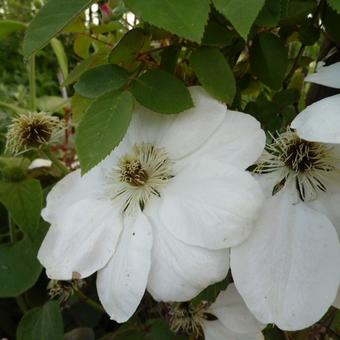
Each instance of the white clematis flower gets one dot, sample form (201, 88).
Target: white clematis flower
(320, 121)
(228, 318)
(161, 209)
(288, 270)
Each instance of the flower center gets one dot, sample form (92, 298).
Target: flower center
(308, 163)
(140, 175)
(36, 134)
(133, 173)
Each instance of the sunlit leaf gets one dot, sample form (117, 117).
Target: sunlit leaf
(161, 92)
(49, 21)
(103, 127)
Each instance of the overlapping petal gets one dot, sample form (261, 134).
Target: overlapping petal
(326, 75)
(68, 191)
(288, 270)
(238, 141)
(215, 330)
(320, 121)
(328, 202)
(121, 283)
(179, 134)
(233, 313)
(210, 204)
(81, 241)
(180, 271)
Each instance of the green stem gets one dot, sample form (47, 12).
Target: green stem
(58, 164)
(12, 229)
(15, 108)
(89, 301)
(295, 66)
(32, 83)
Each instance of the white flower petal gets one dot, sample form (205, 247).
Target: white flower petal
(215, 330)
(180, 271)
(210, 204)
(40, 163)
(182, 133)
(190, 129)
(327, 76)
(239, 141)
(336, 302)
(328, 202)
(147, 126)
(121, 283)
(288, 270)
(233, 313)
(68, 191)
(320, 122)
(82, 241)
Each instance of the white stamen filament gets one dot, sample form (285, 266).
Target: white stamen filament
(308, 163)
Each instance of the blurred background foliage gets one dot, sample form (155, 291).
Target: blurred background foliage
(262, 75)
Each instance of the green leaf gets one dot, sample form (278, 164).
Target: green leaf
(241, 14)
(14, 169)
(286, 97)
(59, 52)
(269, 59)
(128, 47)
(309, 33)
(19, 267)
(213, 71)
(87, 64)
(335, 4)
(331, 22)
(271, 332)
(23, 200)
(81, 46)
(270, 14)
(161, 92)
(216, 35)
(169, 58)
(297, 11)
(128, 333)
(52, 103)
(100, 80)
(50, 20)
(102, 128)
(9, 26)
(184, 18)
(80, 333)
(79, 106)
(158, 329)
(42, 323)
